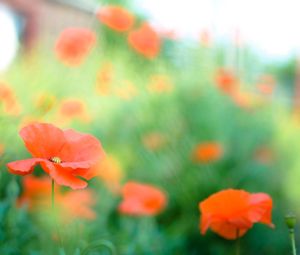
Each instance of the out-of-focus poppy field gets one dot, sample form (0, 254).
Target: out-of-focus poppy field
(122, 137)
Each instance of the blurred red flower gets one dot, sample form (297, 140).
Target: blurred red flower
(105, 78)
(226, 81)
(74, 44)
(66, 155)
(116, 18)
(231, 213)
(142, 200)
(208, 152)
(145, 41)
(73, 108)
(71, 205)
(8, 100)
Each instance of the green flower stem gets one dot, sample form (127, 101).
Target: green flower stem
(52, 194)
(292, 236)
(238, 242)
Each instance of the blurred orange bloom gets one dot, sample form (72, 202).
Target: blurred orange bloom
(160, 84)
(266, 84)
(145, 41)
(226, 81)
(116, 18)
(71, 205)
(231, 213)
(8, 100)
(104, 79)
(73, 108)
(208, 152)
(66, 155)
(205, 38)
(127, 91)
(110, 172)
(243, 99)
(74, 44)
(153, 141)
(142, 200)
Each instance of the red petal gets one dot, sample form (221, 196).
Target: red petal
(261, 208)
(43, 140)
(64, 176)
(83, 149)
(23, 167)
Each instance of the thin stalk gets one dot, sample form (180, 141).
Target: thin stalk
(238, 242)
(292, 236)
(52, 194)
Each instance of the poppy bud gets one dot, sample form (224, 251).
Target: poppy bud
(290, 220)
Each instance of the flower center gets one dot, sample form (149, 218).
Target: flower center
(56, 160)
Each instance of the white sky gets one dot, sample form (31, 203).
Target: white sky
(272, 26)
(8, 38)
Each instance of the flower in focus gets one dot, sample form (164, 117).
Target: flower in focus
(74, 44)
(142, 200)
(116, 18)
(145, 41)
(66, 155)
(208, 152)
(231, 213)
(160, 84)
(226, 81)
(71, 205)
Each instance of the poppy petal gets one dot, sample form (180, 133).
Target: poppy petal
(23, 167)
(64, 176)
(261, 208)
(227, 230)
(42, 140)
(81, 148)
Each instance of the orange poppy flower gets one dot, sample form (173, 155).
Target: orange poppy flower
(145, 41)
(160, 84)
(208, 152)
(71, 205)
(116, 18)
(226, 81)
(66, 155)
(142, 199)
(243, 99)
(74, 44)
(231, 213)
